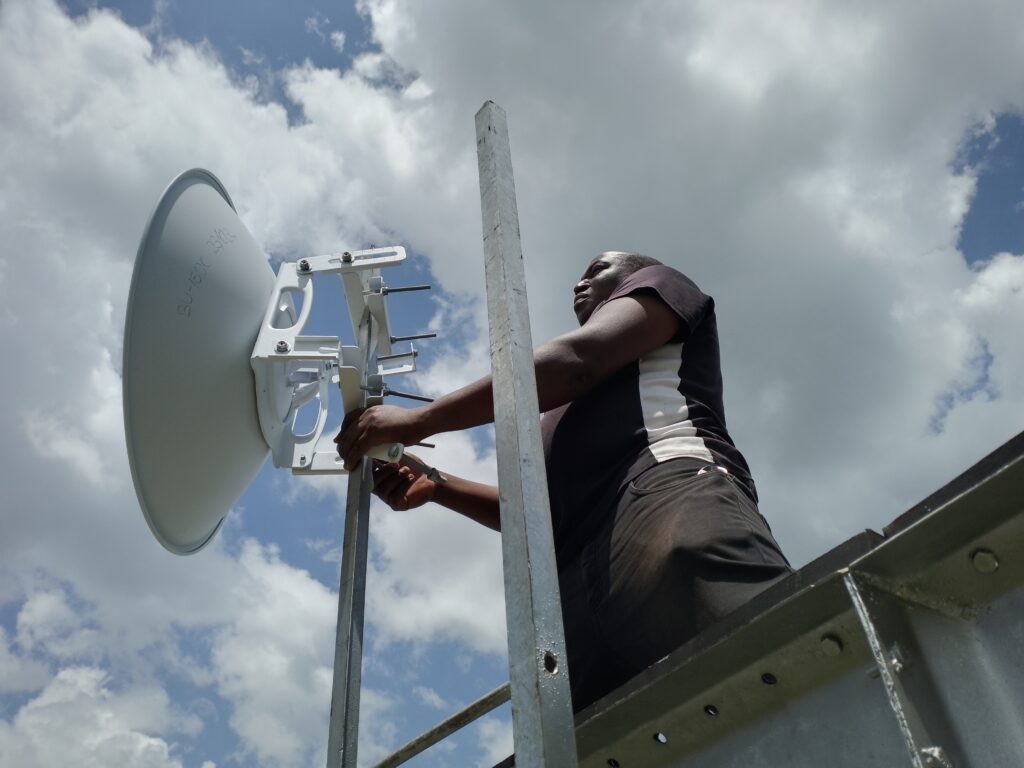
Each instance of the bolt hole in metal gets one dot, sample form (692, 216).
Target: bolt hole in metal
(613, 763)
(661, 738)
(711, 710)
(769, 679)
(831, 645)
(984, 561)
(550, 662)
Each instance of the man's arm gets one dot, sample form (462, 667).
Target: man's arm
(619, 332)
(403, 488)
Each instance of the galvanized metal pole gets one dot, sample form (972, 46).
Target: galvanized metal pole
(343, 737)
(541, 705)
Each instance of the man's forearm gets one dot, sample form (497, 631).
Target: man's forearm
(561, 374)
(477, 501)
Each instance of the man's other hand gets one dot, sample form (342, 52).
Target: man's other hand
(402, 487)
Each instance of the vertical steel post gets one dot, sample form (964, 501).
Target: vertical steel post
(541, 705)
(343, 737)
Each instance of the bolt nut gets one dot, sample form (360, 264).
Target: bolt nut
(831, 645)
(346, 257)
(282, 347)
(984, 561)
(304, 265)
(302, 460)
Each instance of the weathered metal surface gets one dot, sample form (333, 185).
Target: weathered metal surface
(442, 730)
(343, 734)
(921, 722)
(903, 651)
(541, 706)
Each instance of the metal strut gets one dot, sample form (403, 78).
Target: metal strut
(343, 736)
(542, 719)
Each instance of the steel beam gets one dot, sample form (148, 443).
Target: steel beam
(443, 730)
(343, 736)
(541, 705)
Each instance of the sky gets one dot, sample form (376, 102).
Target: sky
(847, 182)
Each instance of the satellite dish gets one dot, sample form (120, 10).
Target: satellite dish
(216, 369)
(198, 297)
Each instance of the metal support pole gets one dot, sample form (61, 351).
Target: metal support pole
(441, 731)
(541, 705)
(925, 729)
(343, 737)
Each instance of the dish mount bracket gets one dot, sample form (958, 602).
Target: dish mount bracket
(294, 371)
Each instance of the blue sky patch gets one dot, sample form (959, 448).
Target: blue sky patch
(995, 221)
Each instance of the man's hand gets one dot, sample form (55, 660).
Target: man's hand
(366, 428)
(402, 487)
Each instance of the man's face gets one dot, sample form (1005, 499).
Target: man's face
(602, 276)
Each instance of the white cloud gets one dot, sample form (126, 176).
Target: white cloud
(79, 720)
(429, 697)
(17, 673)
(46, 623)
(272, 660)
(314, 26)
(461, 599)
(338, 40)
(495, 737)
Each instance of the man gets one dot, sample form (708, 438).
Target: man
(657, 532)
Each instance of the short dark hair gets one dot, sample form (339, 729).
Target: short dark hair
(635, 261)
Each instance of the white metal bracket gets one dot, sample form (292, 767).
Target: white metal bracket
(294, 371)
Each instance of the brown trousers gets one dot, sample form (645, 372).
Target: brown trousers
(681, 551)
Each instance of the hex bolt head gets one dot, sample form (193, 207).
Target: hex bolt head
(282, 347)
(304, 265)
(984, 561)
(346, 257)
(302, 460)
(831, 645)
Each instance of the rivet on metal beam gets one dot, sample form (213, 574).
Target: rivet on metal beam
(711, 710)
(769, 679)
(613, 763)
(661, 738)
(984, 561)
(831, 645)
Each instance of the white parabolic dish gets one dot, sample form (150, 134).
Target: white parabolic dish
(198, 296)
